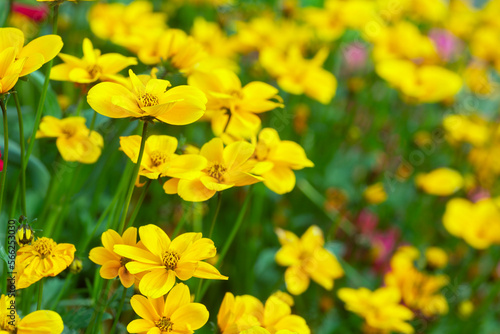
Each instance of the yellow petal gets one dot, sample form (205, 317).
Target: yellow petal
(155, 239)
(136, 253)
(43, 322)
(142, 306)
(296, 280)
(177, 297)
(170, 186)
(47, 46)
(192, 316)
(141, 326)
(194, 191)
(109, 270)
(207, 271)
(100, 98)
(280, 179)
(157, 283)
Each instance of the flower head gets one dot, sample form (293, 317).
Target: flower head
(441, 182)
(306, 259)
(43, 258)
(173, 314)
(92, 67)
(40, 322)
(149, 100)
(164, 260)
(74, 141)
(113, 264)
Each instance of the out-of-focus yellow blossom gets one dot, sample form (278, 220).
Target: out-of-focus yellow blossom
(159, 157)
(465, 308)
(277, 159)
(419, 291)
(246, 313)
(43, 258)
(462, 18)
(477, 223)
(75, 141)
(113, 264)
(403, 41)
(381, 308)
(477, 79)
(92, 67)
(267, 31)
(298, 75)
(231, 107)
(470, 129)
(175, 313)
(424, 84)
(484, 45)
(489, 14)
(17, 59)
(375, 194)
(436, 257)
(331, 21)
(440, 182)
(306, 258)
(164, 260)
(173, 45)
(213, 39)
(40, 322)
(150, 99)
(284, 297)
(262, 330)
(127, 25)
(433, 11)
(227, 167)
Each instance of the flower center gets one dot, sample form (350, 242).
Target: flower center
(217, 171)
(164, 324)
(124, 261)
(69, 131)
(94, 70)
(148, 100)
(158, 158)
(170, 260)
(44, 246)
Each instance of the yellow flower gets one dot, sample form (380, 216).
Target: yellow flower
(424, 84)
(175, 46)
(375, 194)
(113, 264)
(306, 258)
(148, 100)
(297, 75)
(477, 223)
(478, 80)
(440, 182)
(159, 158)
(246, 314)
(74, 141)
(436, 257)
(164, 260)
(233, 108)
(40, 322)
(465, 308)
(130, 26)
(174, 314)
(92, 67)
(470, 129)
(277, 160)
(17, 59)
(227, 167)
(213, 39)
(419, 291)
(43, 258)
(381, 308)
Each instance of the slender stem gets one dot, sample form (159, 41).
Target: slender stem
(119, 311)
(92, 123)
(219, 201)
(40, 295)
(79, 106)
(21, 143)
(43, 93)
(202, 290)
(137, 206)
(5, 153)
(134, 177)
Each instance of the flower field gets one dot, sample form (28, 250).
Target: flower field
(253, 167)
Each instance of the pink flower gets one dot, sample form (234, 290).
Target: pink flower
(448, 46)
(355, 55)
(36, 13)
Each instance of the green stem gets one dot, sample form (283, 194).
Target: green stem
(5, 153)
(79, 106)
(43, 94)
(138, 205)
(40, 295)
(119, 311)
(92, 123)
(202, 290)
(21, 143)
(219, 201)
(134, 178)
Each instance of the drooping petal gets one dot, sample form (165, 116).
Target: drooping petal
(109, 270)
(206, 270)
(296, 280)
(194, 191)
(157, 283)
(101, 255)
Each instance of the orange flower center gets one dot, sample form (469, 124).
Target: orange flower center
(44, 246)
(170, 260)
(164, 324)
(158, 158)
(148, 100)
(69, 131)
(94, 70)
(217, 171)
